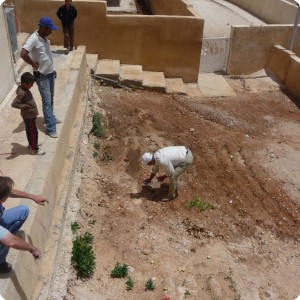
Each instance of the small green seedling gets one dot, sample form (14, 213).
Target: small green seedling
(92, 222)
(83, 256)
(186, 294)
(120, 271)
(150, 285)
(201, 205)
(129, 284)
(74, 227)
(97, 145)
(97, 129)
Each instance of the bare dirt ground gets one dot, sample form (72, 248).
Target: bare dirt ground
(246, 163)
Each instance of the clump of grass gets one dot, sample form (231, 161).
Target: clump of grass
(201, 205)
(92, 222)
(107, 156)
(74, 227)
(83, 256)
(150, 285)
(97, 145)
(186, 294)
(98, 128)
(120, 271)
(129, 284)
(95, 154)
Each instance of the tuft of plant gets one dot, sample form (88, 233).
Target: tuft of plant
(95, 154)
(97, 145)
(98, 128)
(150, 285)
(107, 154)
(130, 284)
(83, 256)
(201, 205)
(186, 294)
(74, 227)
(120, 271)
(92, 222)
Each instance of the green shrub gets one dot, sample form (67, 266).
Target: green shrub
(201, 205)
(129, 284)
(95, 154)
(150, 285)
(97, 145)
(97, 129)
(120, 271)
(74, 227)
(83, 257)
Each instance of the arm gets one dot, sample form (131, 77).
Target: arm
(17, 102)
(27, 58)
(10, 240)
(38, 199)
(75, 13)
(150, 178)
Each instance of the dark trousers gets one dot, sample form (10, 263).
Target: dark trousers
(32, 133)
(69, 36)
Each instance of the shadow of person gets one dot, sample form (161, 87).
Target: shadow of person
(150, 193)
(58, 51)
(40, 124)
(16, 150)
(20, 128)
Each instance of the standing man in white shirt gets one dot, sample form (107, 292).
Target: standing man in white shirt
(36, 52)
(174, 160)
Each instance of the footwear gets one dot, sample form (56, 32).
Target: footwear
(5, 268)
(53, 135)
(71, 49)
(38, 152)
(67, 52)
(168, 198)
(39, 144)
(58, 121)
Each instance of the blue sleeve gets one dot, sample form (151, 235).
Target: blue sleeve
(3, 232)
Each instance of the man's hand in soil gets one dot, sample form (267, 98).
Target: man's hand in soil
(161, 178)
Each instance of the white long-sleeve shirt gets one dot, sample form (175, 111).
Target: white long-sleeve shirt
(168, 158)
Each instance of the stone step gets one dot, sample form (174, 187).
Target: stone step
(108, 68)
(92, 61)
(176, 85)
(154, 81)
(193, 90)
(208, 82)
(131, 75)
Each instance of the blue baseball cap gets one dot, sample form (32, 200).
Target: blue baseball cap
(47, 22)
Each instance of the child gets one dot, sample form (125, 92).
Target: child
(24, 101)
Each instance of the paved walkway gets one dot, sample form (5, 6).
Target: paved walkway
(219, 15)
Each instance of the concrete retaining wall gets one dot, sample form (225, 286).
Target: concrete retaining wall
(272, 11)
(158, 43)
(172, 8)
(7, 77)
(250, 47)
(285, 65)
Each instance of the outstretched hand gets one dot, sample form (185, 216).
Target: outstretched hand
(36, 253)
(40, 199)
(161, 178)
(147, 181)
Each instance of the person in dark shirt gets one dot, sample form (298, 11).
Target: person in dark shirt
(67, 13)
(25, 102)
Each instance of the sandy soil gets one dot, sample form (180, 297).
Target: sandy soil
(246, 163)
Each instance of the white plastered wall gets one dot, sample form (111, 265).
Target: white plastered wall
(7, 77)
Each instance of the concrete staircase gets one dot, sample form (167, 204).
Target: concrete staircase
(135, 76)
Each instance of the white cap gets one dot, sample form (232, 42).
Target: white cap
(147, 157)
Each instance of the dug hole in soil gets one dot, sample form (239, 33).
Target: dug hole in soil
(246, 164)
